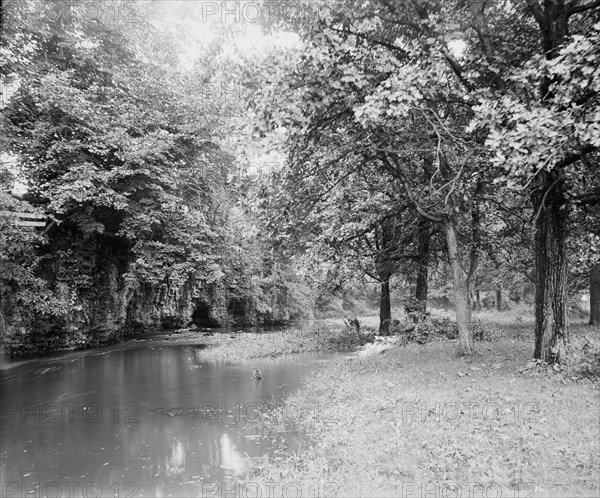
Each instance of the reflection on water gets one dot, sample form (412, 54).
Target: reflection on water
(132, 422)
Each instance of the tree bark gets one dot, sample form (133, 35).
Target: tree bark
(595, 295)
(385, 308)
(384, 238)
(477, 304)
(423, 262)
(475, 241)
(461, 294)
(499, 297)
(550, 206)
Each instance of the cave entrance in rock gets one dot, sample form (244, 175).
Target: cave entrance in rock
(201, 317)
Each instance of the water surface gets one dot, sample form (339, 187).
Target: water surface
(142, 421)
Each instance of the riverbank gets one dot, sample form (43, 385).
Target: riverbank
(418, 419)
(225, 343)
(245, 346)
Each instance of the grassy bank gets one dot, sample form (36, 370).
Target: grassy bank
(418, 419)
(249, 346)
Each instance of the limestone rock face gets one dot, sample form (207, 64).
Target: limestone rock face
(115, 307)
(98, 301)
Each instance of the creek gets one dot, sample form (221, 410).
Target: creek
(137, 419)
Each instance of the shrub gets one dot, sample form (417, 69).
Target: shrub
(486, 331)
(427, 329)
(416, 310)
(584, 357)
(351, 336)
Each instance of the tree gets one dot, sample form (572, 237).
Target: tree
(538, 135)
(333, 178)
(355, 220)
(23, 293)
(374, 237)
(595, 295)
(542, 139)
(402, 105)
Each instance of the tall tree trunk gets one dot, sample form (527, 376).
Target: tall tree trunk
(475, 241)
(595, 295)
(550, 206)
(423, 262)
(384, 237)
(461, 294)
(385, 308)
(499, 297)
(477, 304)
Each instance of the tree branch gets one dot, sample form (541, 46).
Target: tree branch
(573, 158)
(587, 199)
(362, 36)
(577, 9)
(456, 69)
(584, 98)
(537, 12)
(476, 233)
(396, 170)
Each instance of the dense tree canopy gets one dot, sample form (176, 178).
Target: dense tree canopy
(457, 101)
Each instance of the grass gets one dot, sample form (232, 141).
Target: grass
(419, 419)
(249, 346)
